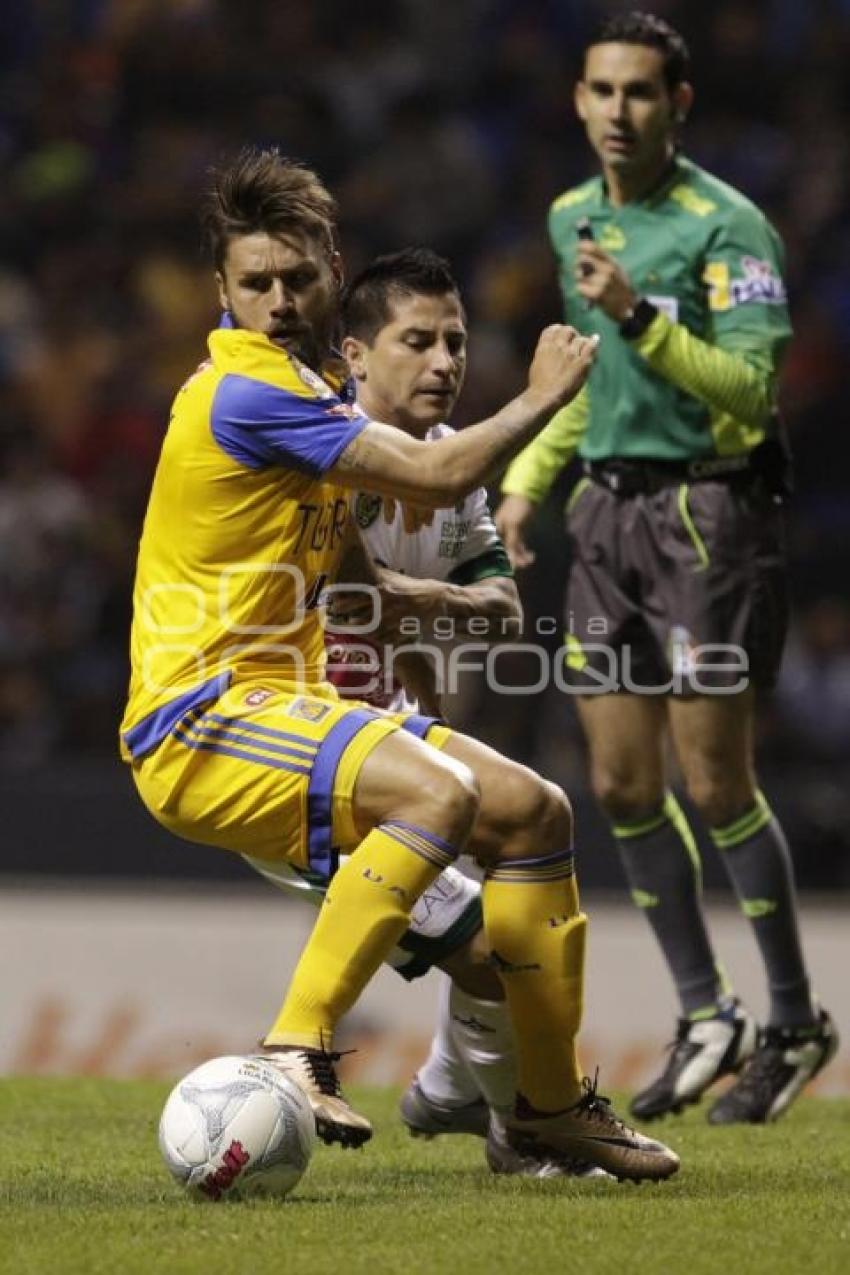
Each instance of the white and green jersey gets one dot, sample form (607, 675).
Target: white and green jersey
(460, 545)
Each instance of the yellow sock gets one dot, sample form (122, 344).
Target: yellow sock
(536, 934)
(365, 913)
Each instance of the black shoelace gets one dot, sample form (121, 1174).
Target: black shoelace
(594, 1103)
(680, 1048)
(321, 1064)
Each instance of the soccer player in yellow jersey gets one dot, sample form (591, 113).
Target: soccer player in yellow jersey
(235, 739)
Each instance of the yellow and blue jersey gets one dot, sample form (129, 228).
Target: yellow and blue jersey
(241, 533)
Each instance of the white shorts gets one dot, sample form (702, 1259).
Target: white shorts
(444, 917)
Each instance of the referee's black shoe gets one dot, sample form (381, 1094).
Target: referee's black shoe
(785, 1060)
(704, 1050)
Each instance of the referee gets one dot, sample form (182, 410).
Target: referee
(676, 597)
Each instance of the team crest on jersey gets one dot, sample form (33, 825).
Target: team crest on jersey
(366, 509)
(312, 380)
(309, 710)
(259, 696)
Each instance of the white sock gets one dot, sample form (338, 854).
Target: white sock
(484, 1039)
(445, 1077)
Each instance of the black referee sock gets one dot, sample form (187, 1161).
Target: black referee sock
(758, 861)
(663, 869)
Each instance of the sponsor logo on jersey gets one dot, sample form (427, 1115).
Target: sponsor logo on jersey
(259, 696)
(309, 710)
(366, 509)
(452, 536)
(758, 283)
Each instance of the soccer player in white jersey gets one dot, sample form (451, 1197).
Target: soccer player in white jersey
(405, 342)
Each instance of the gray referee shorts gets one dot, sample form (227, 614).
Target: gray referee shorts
(680, 590)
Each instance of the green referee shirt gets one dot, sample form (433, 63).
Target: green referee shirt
(701, 380)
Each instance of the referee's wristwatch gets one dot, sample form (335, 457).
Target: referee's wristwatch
(638, 319)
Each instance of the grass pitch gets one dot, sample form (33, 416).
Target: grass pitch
(82, 1189)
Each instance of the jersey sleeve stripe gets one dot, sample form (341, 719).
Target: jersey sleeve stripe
(260, 424)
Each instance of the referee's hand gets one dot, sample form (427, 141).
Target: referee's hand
(513, 518)
(603, 282)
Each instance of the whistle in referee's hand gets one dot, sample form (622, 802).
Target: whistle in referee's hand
(584, 230)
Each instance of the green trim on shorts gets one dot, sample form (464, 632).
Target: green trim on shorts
(427, 952)
(576, 494)
(574, 656)
(691, 528)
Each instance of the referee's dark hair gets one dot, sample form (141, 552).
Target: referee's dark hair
(647, 28)
(411, 272)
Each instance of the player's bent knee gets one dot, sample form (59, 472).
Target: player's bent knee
(559, 815)
(721, 802)
(460, 798)
(533, 817)
(447, 799)
(625, 797)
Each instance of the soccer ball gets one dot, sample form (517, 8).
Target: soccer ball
(235, 1126)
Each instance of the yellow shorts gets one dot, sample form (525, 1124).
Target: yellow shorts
(269, 771)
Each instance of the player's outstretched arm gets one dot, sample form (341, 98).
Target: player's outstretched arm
(494, 600)
(437, 474)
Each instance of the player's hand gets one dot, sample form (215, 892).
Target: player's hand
(396, 598)
(513, 518)
(602, 281)
(561, 364)
(404, 597)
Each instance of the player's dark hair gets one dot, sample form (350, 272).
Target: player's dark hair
(262, 190)
(367, 298)
(647, 28)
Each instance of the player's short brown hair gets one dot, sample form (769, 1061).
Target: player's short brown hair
(262, 190)
(367, 299)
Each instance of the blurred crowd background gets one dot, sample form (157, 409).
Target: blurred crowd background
(449, 125)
